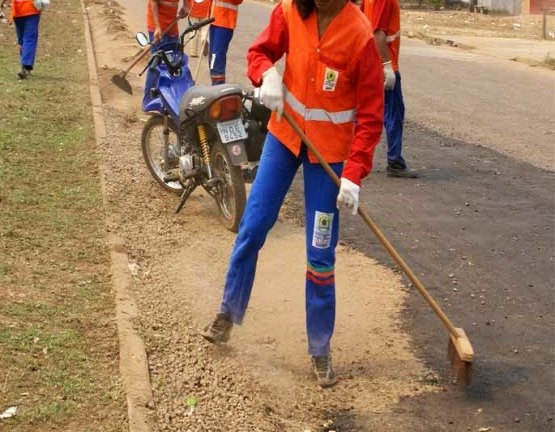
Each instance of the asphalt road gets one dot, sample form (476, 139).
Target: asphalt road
(477, 227)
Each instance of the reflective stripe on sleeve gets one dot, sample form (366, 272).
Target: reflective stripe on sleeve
(391, 38)
(226, 5)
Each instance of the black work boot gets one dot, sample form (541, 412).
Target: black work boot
(322, 367)
(219, 330)
(23, 73)
(395, 169)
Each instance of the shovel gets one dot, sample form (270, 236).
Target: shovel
(120, 79)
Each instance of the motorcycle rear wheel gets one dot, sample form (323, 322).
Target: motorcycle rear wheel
(231, 197)
(152, 143)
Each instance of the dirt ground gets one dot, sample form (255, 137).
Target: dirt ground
(450, 22)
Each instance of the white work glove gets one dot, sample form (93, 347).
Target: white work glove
(271, 91)
(389, 75)
(348, 195)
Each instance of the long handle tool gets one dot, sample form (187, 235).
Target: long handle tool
(120, 79)
(460, 351)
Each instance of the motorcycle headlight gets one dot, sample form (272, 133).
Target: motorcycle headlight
(226, 108)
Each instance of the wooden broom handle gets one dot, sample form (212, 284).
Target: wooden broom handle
(376, 230)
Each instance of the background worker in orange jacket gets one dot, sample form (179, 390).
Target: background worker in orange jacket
(198, 12)
(26, 18)
(385, 17)
(220, 34)
(159, 16)
(333, 87)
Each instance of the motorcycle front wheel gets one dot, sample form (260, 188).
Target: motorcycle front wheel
(230, 196)
(152, 143)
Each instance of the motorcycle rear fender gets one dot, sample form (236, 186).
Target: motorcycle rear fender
(237, 152)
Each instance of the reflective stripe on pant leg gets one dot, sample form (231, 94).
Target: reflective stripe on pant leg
(393, 120)
(220, 38)
(273, 179)
(30, 41)
(322, 233)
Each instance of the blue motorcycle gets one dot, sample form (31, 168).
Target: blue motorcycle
(208, 136)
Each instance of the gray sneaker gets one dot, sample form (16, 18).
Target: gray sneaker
(219, 330)
(322, 367)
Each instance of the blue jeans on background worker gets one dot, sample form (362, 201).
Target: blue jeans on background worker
(220, 38)
(152, 76)
(394, 117)
(277, 169)
(27, 29)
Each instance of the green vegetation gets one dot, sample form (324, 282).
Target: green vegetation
(58, 341)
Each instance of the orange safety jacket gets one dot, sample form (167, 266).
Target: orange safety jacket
(385, 15)
(225, 13)
(23, 8)
(167, 12)
(199, 10)
(324, 105)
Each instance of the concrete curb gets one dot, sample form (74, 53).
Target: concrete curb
(133, 359)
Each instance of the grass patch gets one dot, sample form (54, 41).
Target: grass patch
(58, 341)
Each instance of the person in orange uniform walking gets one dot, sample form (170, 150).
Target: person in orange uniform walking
(197, 12)
(385, 17)
(160, 14)
(221, 32)
(26, 17)
(333, 87)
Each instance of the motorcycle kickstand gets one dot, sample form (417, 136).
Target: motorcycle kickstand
(186, 192)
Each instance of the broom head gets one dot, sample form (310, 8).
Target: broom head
(461, 355)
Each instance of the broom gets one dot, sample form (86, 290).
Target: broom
(460, 351)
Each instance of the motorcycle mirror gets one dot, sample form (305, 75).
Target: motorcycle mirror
(142, 39)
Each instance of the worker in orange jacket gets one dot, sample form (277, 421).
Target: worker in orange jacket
(198, 11)
(160, 15)
(333, 87)
(225, 14)
(25, 15)
(385, 18)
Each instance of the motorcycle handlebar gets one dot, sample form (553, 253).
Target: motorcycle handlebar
(160, 57)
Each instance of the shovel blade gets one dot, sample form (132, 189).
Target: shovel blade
(122, 83)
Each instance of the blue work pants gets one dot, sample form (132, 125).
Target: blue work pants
(27, 29)
(394, 118)
(220, 38)
(277, 169)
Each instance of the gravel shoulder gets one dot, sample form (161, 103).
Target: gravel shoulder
(262, 381)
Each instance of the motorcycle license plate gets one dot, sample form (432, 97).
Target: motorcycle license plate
(232, 130)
